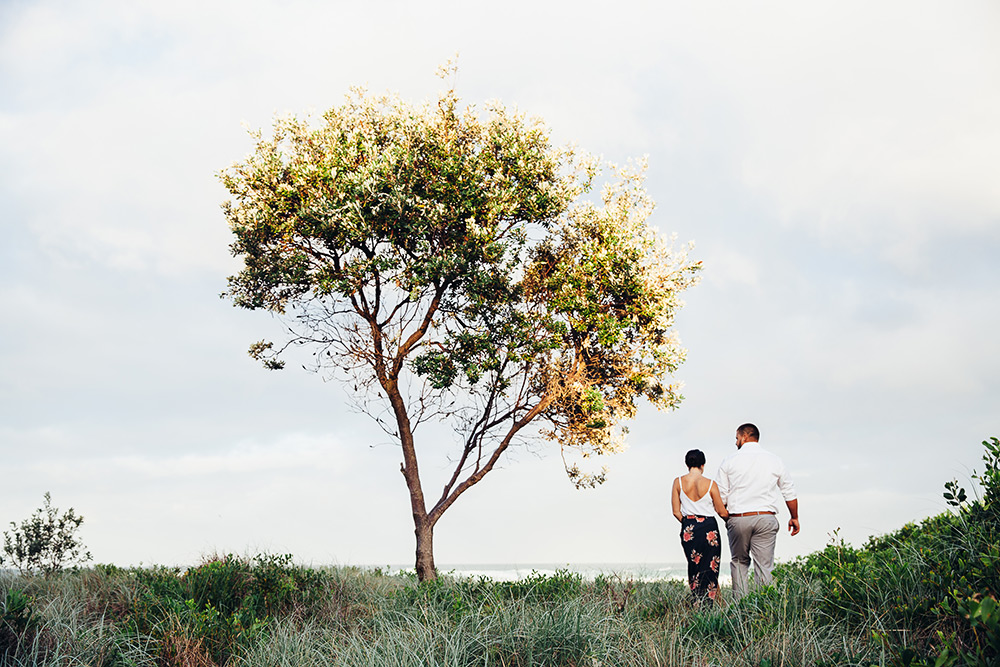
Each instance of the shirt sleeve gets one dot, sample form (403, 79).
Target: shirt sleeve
(722, 481)
(785, 484)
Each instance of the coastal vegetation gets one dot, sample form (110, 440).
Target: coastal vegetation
(923, 595)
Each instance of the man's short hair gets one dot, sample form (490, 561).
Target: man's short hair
(694, 459)
(748, 431)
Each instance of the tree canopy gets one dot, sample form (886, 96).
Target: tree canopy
(447, 261)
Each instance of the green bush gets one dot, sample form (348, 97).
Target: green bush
(17, 622)
(45, 542)
(924, 590)
(221, 606)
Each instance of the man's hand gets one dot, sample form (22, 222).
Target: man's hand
(793, 509)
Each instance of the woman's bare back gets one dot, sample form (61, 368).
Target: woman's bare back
(695, 486)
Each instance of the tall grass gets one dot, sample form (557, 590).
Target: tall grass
(111, 616)
(924, 595)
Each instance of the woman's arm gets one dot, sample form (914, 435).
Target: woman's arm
(717, 502)
(675, 499)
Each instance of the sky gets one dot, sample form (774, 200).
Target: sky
(835, 164)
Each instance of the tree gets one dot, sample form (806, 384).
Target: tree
(444, 262)
(46, 541)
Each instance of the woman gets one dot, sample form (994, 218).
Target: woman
(694, 499)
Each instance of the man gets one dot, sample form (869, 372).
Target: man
(752, 483)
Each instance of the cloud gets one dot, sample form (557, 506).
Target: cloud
(868, 141)
(291, 452)
(727, 266)
(832, 160)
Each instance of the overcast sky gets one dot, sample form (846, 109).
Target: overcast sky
(834, 162)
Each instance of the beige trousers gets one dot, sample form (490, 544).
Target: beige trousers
(751, 538)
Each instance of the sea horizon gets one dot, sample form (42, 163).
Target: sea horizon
(652, 571)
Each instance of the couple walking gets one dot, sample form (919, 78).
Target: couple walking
(750, 486)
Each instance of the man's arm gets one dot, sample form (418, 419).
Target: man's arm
(722, 482)
(793, 508)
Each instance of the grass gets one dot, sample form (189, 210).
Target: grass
(924, 595)
(266, 611)
(237, 611)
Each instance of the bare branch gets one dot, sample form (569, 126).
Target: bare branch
(481, 472)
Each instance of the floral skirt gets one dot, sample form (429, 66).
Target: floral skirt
(703, 548)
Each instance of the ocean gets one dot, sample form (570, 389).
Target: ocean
(589, 571)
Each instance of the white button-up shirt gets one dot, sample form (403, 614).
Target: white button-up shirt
(754, 480)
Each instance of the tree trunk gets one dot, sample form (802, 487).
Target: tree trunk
(425, 550)
(423, 524)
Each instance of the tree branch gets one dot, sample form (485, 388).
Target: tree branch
(481, 472)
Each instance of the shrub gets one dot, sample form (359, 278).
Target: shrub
(928, 591)
(222, 606)
(45, 542)
(16, 621)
